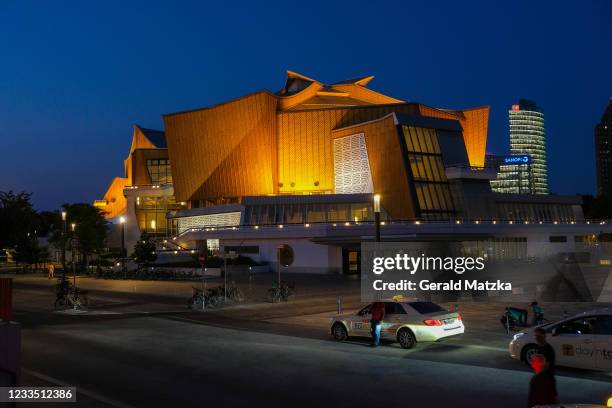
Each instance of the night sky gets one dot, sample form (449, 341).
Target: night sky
(75, 75)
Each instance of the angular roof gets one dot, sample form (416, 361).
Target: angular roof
(301, 92)
(156, 137)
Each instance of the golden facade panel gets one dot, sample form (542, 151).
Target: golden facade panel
(114, 203)
(475, 134)
(226, 150)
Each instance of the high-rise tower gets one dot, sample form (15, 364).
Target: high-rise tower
(603, 152)
(525, 171)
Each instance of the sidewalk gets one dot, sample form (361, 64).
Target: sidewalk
(254, 287)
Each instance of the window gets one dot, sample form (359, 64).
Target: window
(159, 171)
(426, 307)
(582, 325)
(427, 170)
(394, 308)
(365, 310)
(603, 325)
(557, 238)
(245, 249)
(212, 245)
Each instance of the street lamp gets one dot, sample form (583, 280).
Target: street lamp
(64, 214)
(122, 222)
(73, 227)
(377, 215)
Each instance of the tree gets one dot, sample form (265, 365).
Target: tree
(47, 222)
(17, 218)
(144, 251)
(29, 252)
(90, 229)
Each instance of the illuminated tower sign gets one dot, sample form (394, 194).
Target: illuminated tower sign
(527, 139)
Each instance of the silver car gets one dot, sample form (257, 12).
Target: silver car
(407, 322)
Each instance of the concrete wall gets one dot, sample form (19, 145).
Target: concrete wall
(308, 257)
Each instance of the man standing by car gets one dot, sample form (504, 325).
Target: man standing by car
(378, 314)
(544, 348)
(542, 387)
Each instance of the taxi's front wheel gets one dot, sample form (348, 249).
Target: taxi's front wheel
(406, 339)
(529, 351)
(339, 332)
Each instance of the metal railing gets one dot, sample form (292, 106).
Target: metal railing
(415, 222)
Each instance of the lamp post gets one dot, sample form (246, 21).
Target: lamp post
(73, 227)
(122, 222)
(377, 215)
(64, 214)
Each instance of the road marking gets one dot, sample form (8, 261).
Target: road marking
(84, 391)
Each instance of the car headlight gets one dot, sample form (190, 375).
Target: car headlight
(518, 336)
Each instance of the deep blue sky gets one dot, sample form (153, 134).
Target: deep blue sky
(75, 75)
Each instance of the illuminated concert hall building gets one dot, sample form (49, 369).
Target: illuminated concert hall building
(301, 167)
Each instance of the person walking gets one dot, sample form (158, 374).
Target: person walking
(378, 315)
(544, 348)
(50, 271)
(543, 386)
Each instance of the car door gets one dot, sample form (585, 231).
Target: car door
(360, 323)
(393, 318)
(573, 342)
(602, 332)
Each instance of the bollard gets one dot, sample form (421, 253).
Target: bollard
(507, 321)
(339, 301)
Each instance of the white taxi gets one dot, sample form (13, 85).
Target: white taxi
(406, 322)
(581, 341)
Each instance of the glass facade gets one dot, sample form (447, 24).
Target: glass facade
(159, 171)
(274, 214)
(534, 212)
(428, 174)
(151, 214)
(514, 179)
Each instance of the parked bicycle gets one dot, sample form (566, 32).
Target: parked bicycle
(67, 295)
(282, 292)
(214, 297)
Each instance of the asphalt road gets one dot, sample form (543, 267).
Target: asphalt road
(159, 356)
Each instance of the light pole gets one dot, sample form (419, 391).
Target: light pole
(122, 222)
(64, 214)
(377, 215)
(73, 227)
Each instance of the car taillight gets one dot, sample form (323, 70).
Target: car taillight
(432, 322)
(459, 317)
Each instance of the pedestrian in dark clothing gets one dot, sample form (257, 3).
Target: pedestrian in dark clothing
(544, 348)
(543, 386)
(378, 314)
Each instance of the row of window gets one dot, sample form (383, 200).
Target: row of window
(427, 168)
(434, 196)
(307, 213)
(536, 212)
(421, 140)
